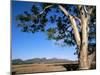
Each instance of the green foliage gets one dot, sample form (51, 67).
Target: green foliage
(60, 30)
(35, 10)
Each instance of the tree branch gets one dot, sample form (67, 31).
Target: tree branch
(67, 14)
(77, 18)
(73, 24)
(43, 10)
(90, 11)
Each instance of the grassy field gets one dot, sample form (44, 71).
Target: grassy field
(38, 68)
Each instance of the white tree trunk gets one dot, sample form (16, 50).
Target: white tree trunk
(81, 40)
(84, 63)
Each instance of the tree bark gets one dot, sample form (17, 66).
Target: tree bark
(85, 59)
(84, 63)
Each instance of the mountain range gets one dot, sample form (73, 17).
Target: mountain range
(39, 61)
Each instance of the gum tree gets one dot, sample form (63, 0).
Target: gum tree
(72, 25)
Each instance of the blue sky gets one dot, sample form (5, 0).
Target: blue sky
(28, 45)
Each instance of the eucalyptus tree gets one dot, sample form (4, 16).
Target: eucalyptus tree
(73, 25)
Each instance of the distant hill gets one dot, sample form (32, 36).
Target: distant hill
(40, 60)
(17, 61)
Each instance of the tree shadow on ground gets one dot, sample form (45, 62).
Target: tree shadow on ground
(71, 67)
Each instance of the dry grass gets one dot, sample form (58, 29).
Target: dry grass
(35, 68)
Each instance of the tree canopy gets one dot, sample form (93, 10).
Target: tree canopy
(49, 18)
